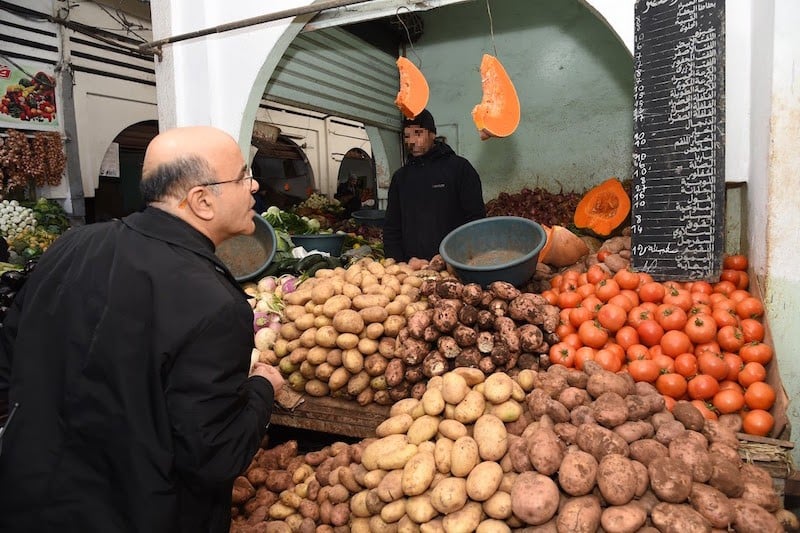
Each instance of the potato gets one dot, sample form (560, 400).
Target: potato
(472, 376)
(465, 520)
(672, 518)
(493, 526)
(419, 509)
(465, 456)
(418, 474)
(364, 301)
(626, 518)
(498, 506)
(423, 429)
(449, 495)
(749, 517)
(712, 504)
(335, 304)
(490, 434)
(610, 409)
(726, 476)
(600, 441)
(432, 401)
(393, 324)
(634, 430)
(454, 388)
(348, 321)
(604, 381)
(688, 415)
(498, 388)
(452, 429)
(693, 455)
(579, 515)
(645, 450)
(470, 408)
(577, 474)
(347, 341)
(534, 498)
(484, 480)
(761, 495)
(617, 479)
(394, 425)
(381, 448)
(669, 479)
(394, 511)
(304, 321)
(545, 451)
(390, 488)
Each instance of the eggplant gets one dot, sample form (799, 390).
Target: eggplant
(13, 279)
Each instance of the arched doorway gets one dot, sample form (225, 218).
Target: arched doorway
(282, 170)
(117, 194)
(358, 164)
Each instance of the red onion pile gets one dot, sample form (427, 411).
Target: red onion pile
(536, 204)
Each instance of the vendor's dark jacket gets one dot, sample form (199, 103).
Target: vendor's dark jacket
(128, 350)
(430, 196)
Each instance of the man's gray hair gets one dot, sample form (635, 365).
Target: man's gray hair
(175, 178)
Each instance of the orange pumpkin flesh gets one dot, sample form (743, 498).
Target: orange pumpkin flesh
(413, 94)
(603, 208)
(498, 113)
(563, 248)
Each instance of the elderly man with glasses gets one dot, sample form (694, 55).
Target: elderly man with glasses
(127, 354)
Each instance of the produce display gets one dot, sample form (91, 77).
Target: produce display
(498, 113)
(40, 160)
(540, 205)
(29, 231)
(557, 450)
(413, 94)
(14, 219)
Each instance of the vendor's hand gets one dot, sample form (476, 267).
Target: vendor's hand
(270, 373)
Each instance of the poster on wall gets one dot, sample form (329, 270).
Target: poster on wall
(27, 97)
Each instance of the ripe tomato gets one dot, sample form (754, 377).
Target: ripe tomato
(757, 352)
(738, 295)
(637, 351)
(596, 273)
(669, 402)
(608, 359)
(711, 346)
(752, 329)
(730, 338)
(644, 370)
(759, 395)
(679, 298)
(568, 299)
(675, 342)
(728, 384)
(592, 303)
(632, 295)
(729, 274)
(664, 362)
(757, 422)
(651, 291)
(650, 332)
(724, 287)
(672, 385)
(562, 353)
(612, 317)
(579, 315)
(703, 287)
(670, 316)
(639, 314)
(701, 298)
(734, 364)
(583, 354)
(585, 290)
(702, 387)
(750, 307)
(626, 336)
(701, 329)
(713, 365)
(573, 340)
(751, 373)
(736, 262)
(686, 365)
(706, 409)
(564, 329)
(606, 289)
(723, 317)
(698, 309)
(626, 279)
(728, 401)
(592, 334)
(624, 301)
(551, 296)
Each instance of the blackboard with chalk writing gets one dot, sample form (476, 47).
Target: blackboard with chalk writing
(678, 192)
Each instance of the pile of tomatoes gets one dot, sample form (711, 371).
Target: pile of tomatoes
(696, 341)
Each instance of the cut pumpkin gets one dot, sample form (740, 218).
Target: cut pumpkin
(498, 113)
(562, 248)
(413, 94)
(603, 208)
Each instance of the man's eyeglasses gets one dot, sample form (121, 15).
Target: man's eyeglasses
(248, 175)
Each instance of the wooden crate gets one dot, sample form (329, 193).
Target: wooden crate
(773, 455)
(334, 416)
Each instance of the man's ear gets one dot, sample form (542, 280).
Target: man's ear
(201, 201)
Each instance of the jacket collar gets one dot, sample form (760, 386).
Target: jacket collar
(439, 149)
(158, 224)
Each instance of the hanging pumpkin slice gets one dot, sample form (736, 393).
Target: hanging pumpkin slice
(603, 208)
(498, 113)
(413, 94)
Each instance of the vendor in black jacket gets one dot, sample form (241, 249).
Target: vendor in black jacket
(432, 194)
(128, 352)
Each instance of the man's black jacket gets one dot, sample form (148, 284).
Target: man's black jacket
(128, 350)
(430, 196)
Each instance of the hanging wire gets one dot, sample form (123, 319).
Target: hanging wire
(408, 34)
(491, 27)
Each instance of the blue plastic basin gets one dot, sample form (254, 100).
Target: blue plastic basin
(494, 249)
(248, 256)
(323, 242)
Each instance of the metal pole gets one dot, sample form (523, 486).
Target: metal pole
(278, 15)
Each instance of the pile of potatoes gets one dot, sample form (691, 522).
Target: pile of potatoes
(560, 450)
(340, 329)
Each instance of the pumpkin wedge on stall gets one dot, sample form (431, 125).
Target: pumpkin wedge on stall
(498, 113)
(603, 208)
(413, 94)
(562, 248)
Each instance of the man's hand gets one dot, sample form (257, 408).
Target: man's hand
(270, 373)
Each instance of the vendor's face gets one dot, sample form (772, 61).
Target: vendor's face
(418, 140)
